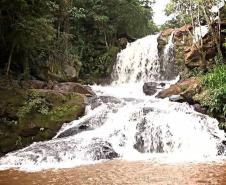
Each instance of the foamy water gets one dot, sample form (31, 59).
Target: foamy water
(122, 122)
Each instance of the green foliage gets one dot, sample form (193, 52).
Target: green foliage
(49, 34)
(65, 111)
(222, 126)
(215, 84)
(34, 103)
(195, 72)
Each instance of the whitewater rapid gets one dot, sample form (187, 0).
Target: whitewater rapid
(122, 122)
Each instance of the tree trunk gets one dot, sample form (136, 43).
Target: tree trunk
(214, 34)
(10, 59)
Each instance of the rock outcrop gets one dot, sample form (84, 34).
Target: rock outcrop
(35, 113)
(57, 71)
(186, 89)
(187, 53)
(62, 87)
(193, 53)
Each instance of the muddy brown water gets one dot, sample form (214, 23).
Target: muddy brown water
(120, 173)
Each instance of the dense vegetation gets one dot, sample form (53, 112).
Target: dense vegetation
(214, 96)
(212, 70)
(40, 37)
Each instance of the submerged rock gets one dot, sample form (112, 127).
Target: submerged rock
(154, 136)
(150, 88)
(101, 150)
(96, 101)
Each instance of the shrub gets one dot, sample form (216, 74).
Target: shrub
(215, 84)
(34, 103)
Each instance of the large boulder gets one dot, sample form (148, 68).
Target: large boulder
(186, 89)
(31, 115)
(73, 87)
(59, 71)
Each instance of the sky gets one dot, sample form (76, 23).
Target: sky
(158, 7)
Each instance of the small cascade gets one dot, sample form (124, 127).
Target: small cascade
(139, 62)
(169, 69)
(121, 122)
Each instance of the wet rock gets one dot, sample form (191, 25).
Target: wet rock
(96, 101)
(85, 126)
(186, 89)
(123, 42)
(110, 99)
(151, 144)
(102, 150)
(221, 148)
(150, 88)
(146, 110)
(199, 108)
(176, 98)
(162, 84)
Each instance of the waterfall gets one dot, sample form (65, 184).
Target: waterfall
(139, 62)
(169, 70)
(121, 122)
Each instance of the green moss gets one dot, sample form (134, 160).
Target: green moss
(65, 112)
(34, 103)
(35, 115)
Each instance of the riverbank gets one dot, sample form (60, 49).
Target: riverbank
(121, 172)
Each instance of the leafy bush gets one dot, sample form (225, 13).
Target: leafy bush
(215, 84)
(34, 103)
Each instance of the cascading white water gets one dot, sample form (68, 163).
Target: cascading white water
(121, 122)
(138, 62)
(168, 69)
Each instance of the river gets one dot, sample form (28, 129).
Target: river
(125, 136)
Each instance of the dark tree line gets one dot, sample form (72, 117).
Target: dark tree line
(42, 36)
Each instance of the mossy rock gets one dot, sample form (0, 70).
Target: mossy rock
(29, 116)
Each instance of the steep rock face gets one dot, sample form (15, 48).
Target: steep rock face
(193, 55)
(187, 53)
(31, 115)
(182, 40)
